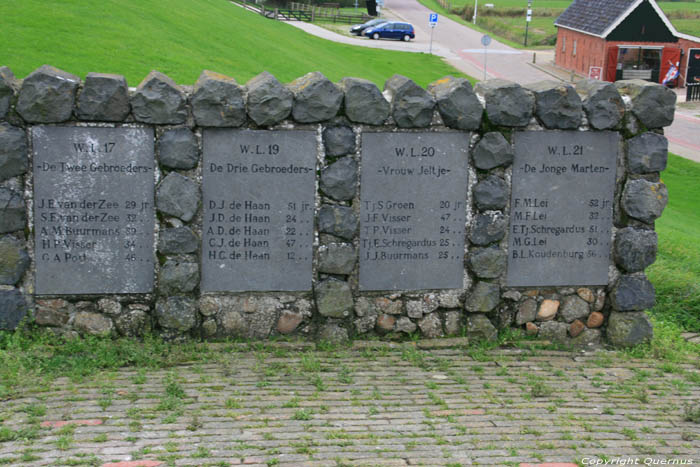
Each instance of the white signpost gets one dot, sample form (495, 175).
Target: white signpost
(432, 21)
(485, 41)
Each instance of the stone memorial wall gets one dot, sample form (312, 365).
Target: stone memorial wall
(329, 210)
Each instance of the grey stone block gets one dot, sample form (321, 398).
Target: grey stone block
(647, 153)
(479, 327)
(491, 193)
(405, 325)
(334, 298)
(453, 322)
(13, 151)
(487, 228)
(332, 332)
(629, 329)
(557, 105)
(14, 260)
(13, 214)
(364, 102)
(337, 258)
(492, 151)
(177, 312)
(411, 105)
(104, 97)
(218, 101)
(177, 196)
(178, 277)
(47, 95)
(8, 89)
(484, 298)
(633, 292)
(457, 103)
(337, 220)
(177, 240)
(554, 331)
(507, 103)
(487, 263)
(635, 249)
(653, 104)
(316, 98)
(365, 323)
(268, 101)
(574, 308)
(339, 140)
(589, 338)
(86, 322)
(527, 312)
(13, 308)
(133, 323)
(178, 149)
(644, 200)
(339, 180)
(431, 326)
(602, 103)
(159, 100)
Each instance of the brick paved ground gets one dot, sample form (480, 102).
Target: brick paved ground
(363, 406)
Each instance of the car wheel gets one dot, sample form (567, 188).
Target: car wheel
(375, 36)
(406, 38)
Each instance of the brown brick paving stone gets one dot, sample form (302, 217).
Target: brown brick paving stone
(369, 404)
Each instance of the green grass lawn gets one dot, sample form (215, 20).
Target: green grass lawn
(676, 273)
(181, 38)
(684, 15)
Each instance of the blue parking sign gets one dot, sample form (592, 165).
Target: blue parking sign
(432, 19)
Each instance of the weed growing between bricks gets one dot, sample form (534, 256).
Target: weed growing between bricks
(364, 403)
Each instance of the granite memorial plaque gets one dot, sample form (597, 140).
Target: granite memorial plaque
(259, 192)
(93, 210)
(413, 209)
(562, 208)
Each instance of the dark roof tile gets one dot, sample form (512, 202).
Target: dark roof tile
(593, 16)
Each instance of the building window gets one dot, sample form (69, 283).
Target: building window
(563, 44)
(574, 51)
(639, 62)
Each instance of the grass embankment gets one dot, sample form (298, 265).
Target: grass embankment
(506, 20)
(183, 37)
(676, 273)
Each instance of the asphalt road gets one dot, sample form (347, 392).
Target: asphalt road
(462, 48)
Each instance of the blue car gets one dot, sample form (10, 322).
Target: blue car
(391, 30)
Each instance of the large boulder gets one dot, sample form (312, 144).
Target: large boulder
(316, 98)
(635, 249)
(557, 105)
(364, 102)
(334, 298)
(458, 105)
(159, 100)
(602, 103)
(411, 105)
(629, 329)
(647, 153)
(13, 151)
(633, 292)
(654, 105)
(104, 97)
(218, 101)
(644, 200)
(268, 101)
(47, 95)
(507, 103)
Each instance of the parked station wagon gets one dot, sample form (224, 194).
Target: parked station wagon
(391, 30)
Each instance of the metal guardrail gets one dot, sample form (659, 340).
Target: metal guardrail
(692, 92)
(303, 12)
